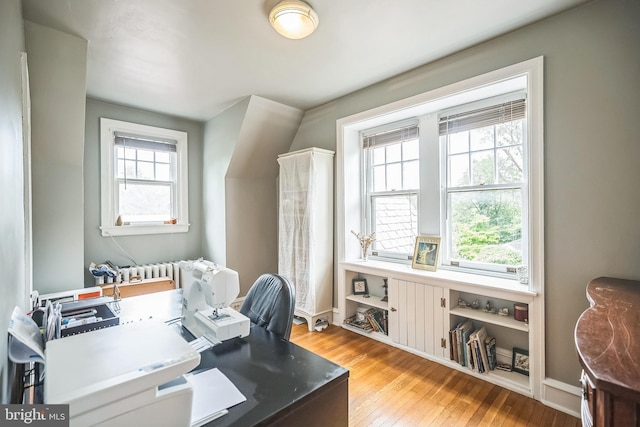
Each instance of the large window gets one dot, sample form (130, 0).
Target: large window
(469, 172)
(484, 197)
(144, 188)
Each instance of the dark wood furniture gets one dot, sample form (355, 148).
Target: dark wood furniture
(607, 338)
(284, 383)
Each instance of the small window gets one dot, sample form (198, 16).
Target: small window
(393, 172)
(144, 179)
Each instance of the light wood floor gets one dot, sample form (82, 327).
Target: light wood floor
(390, 387)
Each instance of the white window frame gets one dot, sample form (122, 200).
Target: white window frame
(481, 267)
(109, 183)
(369, 195)
(527, 74)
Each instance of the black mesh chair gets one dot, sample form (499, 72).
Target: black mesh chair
(270, 304)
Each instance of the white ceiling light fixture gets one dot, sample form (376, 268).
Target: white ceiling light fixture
(293, 19)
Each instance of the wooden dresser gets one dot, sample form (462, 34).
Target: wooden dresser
(607, 338)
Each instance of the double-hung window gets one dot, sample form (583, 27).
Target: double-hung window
(392, 186)
(484, 198)
(144, 179)
(482, 211)
(473, 177)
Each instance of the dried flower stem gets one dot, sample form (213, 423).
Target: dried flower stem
(365, 241)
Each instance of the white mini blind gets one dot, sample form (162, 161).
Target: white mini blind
(145, 143)
(390, 137)
(481, 117)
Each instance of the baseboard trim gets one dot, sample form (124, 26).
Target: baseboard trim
(561, 396)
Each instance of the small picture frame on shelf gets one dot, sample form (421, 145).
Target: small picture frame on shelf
(520, 361)
(425, 254)
(360, 287)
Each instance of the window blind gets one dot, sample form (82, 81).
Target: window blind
(390, 137)
(481, 117)
(131, 141)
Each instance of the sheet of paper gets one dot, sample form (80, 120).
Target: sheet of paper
(213, 393)
(26, 340)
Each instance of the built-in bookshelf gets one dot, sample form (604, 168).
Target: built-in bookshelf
(422, 310)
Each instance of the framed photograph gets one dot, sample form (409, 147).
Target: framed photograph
(520, 361)
(360, 287)
(425, 254)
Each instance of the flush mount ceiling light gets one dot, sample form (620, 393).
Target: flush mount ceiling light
(293, 19)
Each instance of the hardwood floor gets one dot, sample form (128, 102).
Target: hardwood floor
(391, 387)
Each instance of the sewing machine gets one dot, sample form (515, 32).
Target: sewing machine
(208, 289)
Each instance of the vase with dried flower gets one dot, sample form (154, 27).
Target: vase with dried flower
(365, 241)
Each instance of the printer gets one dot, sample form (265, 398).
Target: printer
(208, 290)
(122, 376)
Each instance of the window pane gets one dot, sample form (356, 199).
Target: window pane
(481, 138)
(459, 170)
(394, 177)
(486, 226)
(130, 169)
(163, 157)
(410, 150)
(395, 219)
(509, 164)
(145, 170)
(130, 153)
(411, 175)
(394, 153)
(379, 181)
(144, 202)
(378, 156)
(163, 172)
(459, 142)
(509, 133)
(145, 155)
(120, 169)
(482, 168)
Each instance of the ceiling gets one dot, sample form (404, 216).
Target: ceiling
(195, 58)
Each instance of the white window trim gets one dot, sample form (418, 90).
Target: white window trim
(108, 127)
(350, 164)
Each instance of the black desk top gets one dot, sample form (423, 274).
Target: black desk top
(272, 373)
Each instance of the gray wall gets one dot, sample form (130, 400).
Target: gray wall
(592, 153)
(12, 229)
(57, 76)
(146, 248)
(221, 135)
(240, 192)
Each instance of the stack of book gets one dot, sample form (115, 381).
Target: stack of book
(360, 324)
(474, 349)
(378, 319)
(372, 319)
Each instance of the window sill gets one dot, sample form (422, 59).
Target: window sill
(444, 278)
(137, 230)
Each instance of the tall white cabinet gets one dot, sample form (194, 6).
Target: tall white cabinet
(305, 234)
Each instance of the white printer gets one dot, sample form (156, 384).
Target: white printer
(122, 376)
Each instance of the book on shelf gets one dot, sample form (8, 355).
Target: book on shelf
(477, 342)
(375, 316)
(363, 325)
(490, 346)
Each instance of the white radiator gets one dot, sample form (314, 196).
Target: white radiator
(146, 271)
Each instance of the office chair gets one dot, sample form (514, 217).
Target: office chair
(270, 304)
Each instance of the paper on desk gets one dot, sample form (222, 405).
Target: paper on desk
(213, 393)
(25, 344)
